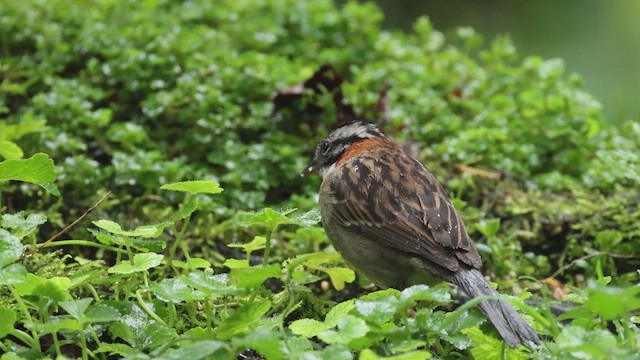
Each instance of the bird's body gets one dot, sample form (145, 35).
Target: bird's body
(391, 220)
(394, 208)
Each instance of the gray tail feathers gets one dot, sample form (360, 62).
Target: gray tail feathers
(511, 326)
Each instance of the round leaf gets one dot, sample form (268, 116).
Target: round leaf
(194, 187)
(141, 262)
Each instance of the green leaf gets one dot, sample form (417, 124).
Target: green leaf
(141, 262)
(107, 238)
(485, 347)
(309, 327)
(463, 320)
(309, 218)
(186, 209)
(297, 346)
(269, 218)
(378, 312)
(202, 349)
(458, 340)
(236, 263)
(142, 335)
(424, 293)
(339, 276)
(192, 263)
(586, 344)
(10, 248)
(20, 225)
(76, 308)
(110, 226)
(614, 302)
(331, 352)
(146, 245)
(38, 168)
(56, 323)
(175, 291)
(315, 260)
(54, 288)
(254, 276)
(349, 328)
(551, 68)
(194, 187)
(488, 228)
(50, 187)
(10, 151)
(381, 295)
(102, 313)
(13, 274)
(9, 318)
(118, 349)
(403, 345)
(243, 319)
(608, 239)
(199, 333)
(143, 231)
(213, 286)
(258, 243)
(139, 330)
(368, 354)
(142, 244)
(338, 311)
(16, 131)
(266, 342)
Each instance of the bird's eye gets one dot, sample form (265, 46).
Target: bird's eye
(325, 148)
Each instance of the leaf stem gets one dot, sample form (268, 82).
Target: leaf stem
(83, 341)
(180, 239)
(173, 314)
(23, 336)
(534, 314)
(267, 247)
(147, 309)
(84, 243)
(210, 315)
(25, 310)
(56, 342)
(93, 292)
(174, 247)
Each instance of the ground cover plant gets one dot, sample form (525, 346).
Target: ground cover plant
(151, 204)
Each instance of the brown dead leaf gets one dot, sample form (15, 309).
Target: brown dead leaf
(558, 289)
(488, 174)
(328, 79)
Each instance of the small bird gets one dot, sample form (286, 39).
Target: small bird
(391, 219)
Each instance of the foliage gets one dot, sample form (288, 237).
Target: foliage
(166, 103)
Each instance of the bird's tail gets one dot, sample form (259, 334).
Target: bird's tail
(511, 326)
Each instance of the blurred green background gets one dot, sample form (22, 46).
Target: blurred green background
(598, 39)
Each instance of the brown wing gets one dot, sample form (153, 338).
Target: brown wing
(407, 210)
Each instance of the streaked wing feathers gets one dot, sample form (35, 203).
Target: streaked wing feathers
(405, 209)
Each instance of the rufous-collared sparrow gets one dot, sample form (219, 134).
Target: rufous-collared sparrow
(391, 219)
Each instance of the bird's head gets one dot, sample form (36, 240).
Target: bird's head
(337, 142)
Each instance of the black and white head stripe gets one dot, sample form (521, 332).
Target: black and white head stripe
(354, 131)
(339, 140)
